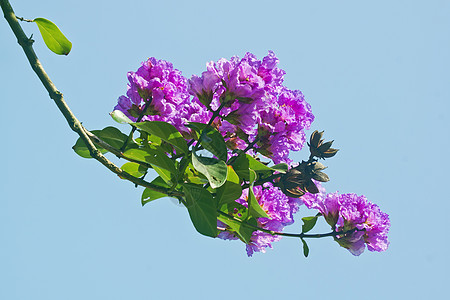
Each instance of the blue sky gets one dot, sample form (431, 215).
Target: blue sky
(376, 75)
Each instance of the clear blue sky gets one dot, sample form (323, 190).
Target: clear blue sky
(376, 74)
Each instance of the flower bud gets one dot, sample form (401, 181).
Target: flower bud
(297, 181)
(315, 139)
(318, 148)
(316, 168)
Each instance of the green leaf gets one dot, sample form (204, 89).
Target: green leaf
(308, 223)
(305, 248)
(82, 150)
(215, 170)
(235, 209)
(167, 132)
(134, 169)
(241, 166)
(239, 212)
(244, 232)
(149, 195)
(256, 165)
(165, 175)
(152, 156)
(213, 140)
(246, 161)
(202, 209)
(120, 117)
(193, 176)
(197, 180)
(254, 208)
(114, 137)
(110, 135)
(159, 181)
(231, 190)
(282, 167)
(53, 37)
(259, 167)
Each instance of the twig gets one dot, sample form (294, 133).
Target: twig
(24, 20)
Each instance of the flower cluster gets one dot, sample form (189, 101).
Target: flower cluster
(278, 207)
(158, 92)
(349, 212)
(282, 124)
(256, 105)
(246, 101)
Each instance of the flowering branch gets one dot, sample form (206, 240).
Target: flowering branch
(232, 191)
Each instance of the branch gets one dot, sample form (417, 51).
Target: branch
(297, 235)
(98, 141)
(58, 98)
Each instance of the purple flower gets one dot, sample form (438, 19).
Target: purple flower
(376, 227)
(278, 207)
(282, 125)
(273, 202)
(161, 91)
(241, 83)
(203, 88)
(256, 105)
(347, 212)
(262, 240)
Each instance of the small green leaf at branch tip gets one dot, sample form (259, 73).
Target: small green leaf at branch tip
(120, 117)
(305, 248)
(53, 37)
